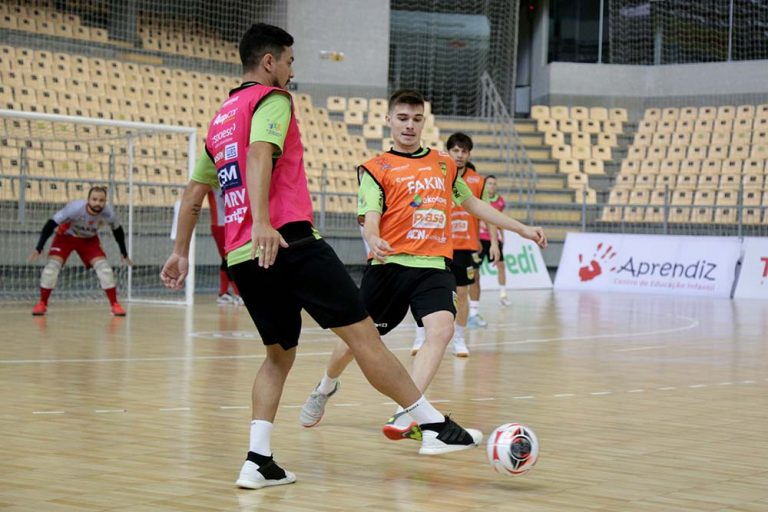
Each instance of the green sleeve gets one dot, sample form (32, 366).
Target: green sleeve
(370, 197)
(270, 121)
(485, 197)
(205, 171)
(461, 191)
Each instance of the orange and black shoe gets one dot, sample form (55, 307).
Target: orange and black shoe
(396, 432)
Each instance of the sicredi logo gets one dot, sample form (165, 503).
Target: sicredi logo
(223, 134)
(229, 176)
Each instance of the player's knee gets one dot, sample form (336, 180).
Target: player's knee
(105, 274)
(50, 274)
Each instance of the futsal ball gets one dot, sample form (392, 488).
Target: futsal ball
(513, 449)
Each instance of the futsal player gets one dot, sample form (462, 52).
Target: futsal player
(280, 263)
(496, 259)
(406, 196)
(216, 205)
(77, 229)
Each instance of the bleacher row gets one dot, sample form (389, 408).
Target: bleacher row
(158, 34)
(336, 137)
(695, 161)
(582, 140)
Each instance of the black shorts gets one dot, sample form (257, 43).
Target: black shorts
(389, 290)
(485, 251)
(464, 267)
(307, 275)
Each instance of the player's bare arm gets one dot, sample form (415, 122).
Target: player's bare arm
(380, 248)
(177, 266)
(264, 237)
(489, 214)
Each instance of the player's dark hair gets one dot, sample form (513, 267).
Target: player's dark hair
(97, 188)
(260, 40)
(405, 97)
(460, 139)
(491, 177)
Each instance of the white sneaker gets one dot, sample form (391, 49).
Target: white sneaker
(313, 409)
(417, 343)
(446, 437)
(460, 348)
(238, 300)
(225, 298)
(259, 471)
(504, 301)
(476, 321)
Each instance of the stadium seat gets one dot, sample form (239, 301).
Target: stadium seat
(701, 215)
(679, 215)
(670, 114)
(654, 214)
(645, 181)
(618, 197)
(579, 113)
(336, 104)
(642, 140)
(558, 113)
(634, 213)
(561, 152)
(7, 192)
(594, 167)
(649, 166)
(659, 196)
(598, 114)
(568, 126)
(707, 113)
(630, 166)
(554, 138)
(569, 166)
(688, 114)
(726, 112)
(669, 166)
(708, 182)
(614, 127)
(685, 126)
(539, 112)
(612, 214)
(590, 126)
(751, 216)
(652, 114)
(379, 105)
(618, 114)
(647, 126)
(580, 152)
(725, 215)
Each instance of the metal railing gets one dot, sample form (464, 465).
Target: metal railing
(513, 153)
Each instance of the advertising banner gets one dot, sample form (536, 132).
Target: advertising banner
(524, 265)
(753, 279)
(674, 265)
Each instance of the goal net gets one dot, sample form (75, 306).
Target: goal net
(49, 160)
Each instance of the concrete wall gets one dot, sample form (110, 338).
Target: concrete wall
(358, 28)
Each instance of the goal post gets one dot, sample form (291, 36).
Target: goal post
(48, 160)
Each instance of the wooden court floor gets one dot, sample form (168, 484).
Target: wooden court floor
(641, 404)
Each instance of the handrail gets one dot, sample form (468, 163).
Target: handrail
(519, 167)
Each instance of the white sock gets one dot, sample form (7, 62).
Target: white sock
(474, 307)
(458, 332)
(404, 420)
(503, 290)
(261, 433)
(326, 384)
(423, 412)
(420, 334)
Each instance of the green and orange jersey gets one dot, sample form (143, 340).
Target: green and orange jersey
(465, 227)
(415, 194)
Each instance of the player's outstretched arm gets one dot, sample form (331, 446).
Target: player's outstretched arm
(177, 266)
(380, 248)
(119, 235)
(45, 234)
(491, 215)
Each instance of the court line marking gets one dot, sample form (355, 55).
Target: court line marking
(479, 399)
(634, 349)
(693, 323)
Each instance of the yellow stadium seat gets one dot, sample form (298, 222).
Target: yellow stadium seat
(683, 193)
(630, 166)
(707, 113)
(614, 127)
(554, 138)
(642, 140)
(607, 140)
(636, 153)
(357, 104)
(727, 197)
(561, 152)
(703, 125)
(647, 126)
(670, 114)
(569, 166)
(759, 151)
(652, 114)
(711, 166)
(669, 166)
(612, 214)
(730, 181)
(718, 152)
(679, 215)
(379, 105)
(654, 214)
(751, 181)
(577, 180)
(665, 126)
(701, 215)
(697, 152)
(579, 113)
(688, 114)
(580, 139)
(754, 166)
(625, 181)
(704, 198)
(546, 125)
(661, 139)
(726, 112)
(558, 113)
(618, 114)
(656, 153)
(645, 181)
(751, 216)
(568, 126)
(742, 125)
(598, 113)
(761, 111)
(594, 167)
(649, 166)
(725, 215)
(590, 126)
(618, 197)
(751, 197)
(336, 104)
(539, 112)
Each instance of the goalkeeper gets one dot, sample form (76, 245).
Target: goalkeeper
(77, 226)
